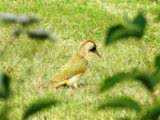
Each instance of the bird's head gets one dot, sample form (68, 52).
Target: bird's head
(89, 46)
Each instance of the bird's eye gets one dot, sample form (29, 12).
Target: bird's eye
(93, 49)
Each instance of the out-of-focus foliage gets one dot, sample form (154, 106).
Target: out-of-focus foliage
(148, 81)
(42, 35)
(132, 28)
(122, 102)
(157, 63)
(135, 28)
(22, 20)
(153, 113)
(4, 86)
(38, 106)
(4, 114)
(111, 81)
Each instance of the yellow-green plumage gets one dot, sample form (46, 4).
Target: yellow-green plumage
(76, 65)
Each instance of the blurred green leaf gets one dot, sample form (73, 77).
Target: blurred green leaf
(157, 63)
(4, 86)
(8, 18)
(39, 34)
(132, 29)
(157, 76)
(149, 81)
(140, 21)
(124, 118)
(42, 35)
(153, 113)
(158, 17)
(4, 114)
(111, 81)
(38, 106)
(27, 20)
(114, 33)
(122, 102)
(23, 20)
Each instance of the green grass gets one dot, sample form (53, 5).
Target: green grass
(32, 64)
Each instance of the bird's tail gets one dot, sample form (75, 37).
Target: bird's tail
(56, 84)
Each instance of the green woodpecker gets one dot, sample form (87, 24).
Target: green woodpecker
(75, 67)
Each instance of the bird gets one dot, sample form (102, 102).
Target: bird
(75, 67)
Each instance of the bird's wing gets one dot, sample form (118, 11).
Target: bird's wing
(76, 65)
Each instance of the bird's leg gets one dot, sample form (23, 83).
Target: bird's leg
(81, 84)
(77, 85)
(74, 85)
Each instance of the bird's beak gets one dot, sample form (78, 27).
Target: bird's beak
(97, 53)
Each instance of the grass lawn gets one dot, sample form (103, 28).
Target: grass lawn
(32, 64)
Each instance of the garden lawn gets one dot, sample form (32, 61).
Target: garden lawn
(32, 64)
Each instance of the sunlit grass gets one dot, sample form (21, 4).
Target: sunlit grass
(32, 64)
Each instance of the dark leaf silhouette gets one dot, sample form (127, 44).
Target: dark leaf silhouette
(23, 20)
(124, 118)
(153, 113)
(111, 81)
(132, 29)
(114, 32)
(157, 76)
(158, 17)
(157, 63)
(4, 86)
(4, 114)
(27, 20)
(140, 21)
(42, 35)
(39, 35)
(8, 18)
(149, 81)
(122, 102)
(38, 106)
